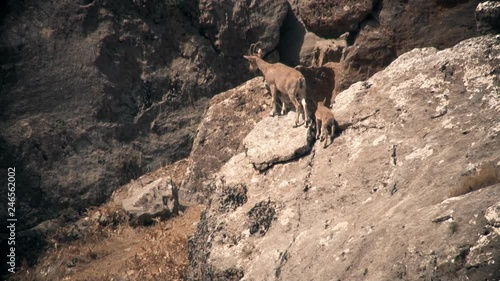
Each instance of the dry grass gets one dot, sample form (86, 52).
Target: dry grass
(107, 248)
(488, 175)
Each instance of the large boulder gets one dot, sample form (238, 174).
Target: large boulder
(275, 140)
(376, 204)
(145, 200)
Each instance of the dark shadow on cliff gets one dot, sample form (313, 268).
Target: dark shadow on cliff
(291, 39)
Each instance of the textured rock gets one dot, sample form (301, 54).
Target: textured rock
(332, 18)
(326, 51)
(397, 27)
(231, 116)
(296, 43)
(97, 94)
(492, 215)
(488, 17)
(380, 31)
(373, 205)
(233, 25)
(274, 141)
(145, 201)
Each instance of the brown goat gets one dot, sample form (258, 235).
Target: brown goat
(284, 79)
(324, 120)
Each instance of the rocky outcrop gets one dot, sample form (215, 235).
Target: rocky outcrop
(374, 205)
(394, 28)
(320, 83)
(230, 117)
(488, 17)
(379, 31)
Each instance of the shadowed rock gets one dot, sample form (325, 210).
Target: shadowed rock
(488, 17)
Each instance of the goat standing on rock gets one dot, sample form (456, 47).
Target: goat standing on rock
(284, 79)
(324, 119)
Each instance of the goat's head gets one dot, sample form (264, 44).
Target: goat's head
(254, 55)
(322, 103)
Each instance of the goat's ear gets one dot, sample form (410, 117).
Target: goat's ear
(247, 57)
(259, 52)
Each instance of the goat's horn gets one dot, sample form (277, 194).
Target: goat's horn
(258, 45)
(252, 49)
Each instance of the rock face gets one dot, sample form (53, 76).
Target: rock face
(233, 25)
(96, 93)
(373, 205)
(332, 18)
(394, 28)
(380, 31)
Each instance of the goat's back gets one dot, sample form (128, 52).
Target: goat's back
(324, 114)
(285, 78)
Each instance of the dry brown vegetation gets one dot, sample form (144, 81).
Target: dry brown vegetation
(109, 249)
(488, 175)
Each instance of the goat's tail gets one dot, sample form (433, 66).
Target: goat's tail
(302, 83)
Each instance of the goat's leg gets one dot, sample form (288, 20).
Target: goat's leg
(332, 132)
(306, 114)
(283, 105)
(324, 133)
(297, 108)
(273, 95)
(318, 128)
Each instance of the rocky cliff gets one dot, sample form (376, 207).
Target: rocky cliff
(95, 93)
(399, 195)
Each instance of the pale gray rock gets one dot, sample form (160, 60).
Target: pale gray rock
(145, 200)
(273, 140)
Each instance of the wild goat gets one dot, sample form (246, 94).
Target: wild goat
(324, 120)
(281, 78)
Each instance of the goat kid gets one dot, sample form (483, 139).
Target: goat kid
(284, 79)
(324, 120)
